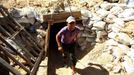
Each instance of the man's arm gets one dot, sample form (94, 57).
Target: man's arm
(58, 40)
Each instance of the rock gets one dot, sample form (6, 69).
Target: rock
(86, 35)
(123, 38)
(116, 10)
(119, 21)
(116, 69)
(44, 11)
(129, 66)
(105, 58)
(100, 25)
(114, 27)
(102, 12)
(90, 25)
(15, 12)
(91, 39)
(86, 21)
(125, 13)
(109, 66)
(101, 36)
(130, 3)
(110, 18)
(129, 28)
(95, 17)
(117, 52)
(124, 48)
(85, 13)
(131, 18)
(131, 54)
(72, 8)
(112, 35)
(26, 13)
(41, 40)
(106, 6)
(111, 42)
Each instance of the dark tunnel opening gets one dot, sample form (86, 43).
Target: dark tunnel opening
(55, 59)
(53, 53)
(55, 28)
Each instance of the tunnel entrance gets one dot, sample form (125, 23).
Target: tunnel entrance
(55, 59)
(54, 56)
(55, 28)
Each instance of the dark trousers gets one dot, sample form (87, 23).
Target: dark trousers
(69, 52)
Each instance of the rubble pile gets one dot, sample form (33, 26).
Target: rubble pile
(113, 24)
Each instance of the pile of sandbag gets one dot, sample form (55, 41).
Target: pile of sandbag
(114, 24)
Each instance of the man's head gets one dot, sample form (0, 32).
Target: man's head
(71, 22)
(70, 19)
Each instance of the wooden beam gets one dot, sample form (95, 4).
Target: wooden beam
(4, 31)
(11, 57)
(12, 48)
(36, 65)
(29, 55)
(16, 33)
(9, 67)
(17, 24)
(61, 17)
(10, 22)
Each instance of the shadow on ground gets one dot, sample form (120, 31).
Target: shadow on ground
(93, 69)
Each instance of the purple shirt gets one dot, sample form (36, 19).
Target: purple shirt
(68, 37)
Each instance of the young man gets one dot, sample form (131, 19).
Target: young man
(66, 40)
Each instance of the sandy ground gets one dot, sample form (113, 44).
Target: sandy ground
(86, 65)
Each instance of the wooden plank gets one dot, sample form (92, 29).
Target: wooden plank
(4, 31)
(47, 38)
(36, 65)
(8, 28)
(28, 45)
(9, 67)
(16, 33)
(10, 23)
(61, 17)
(21, 55)
(17, 24)
(29, 55)
(11, 57)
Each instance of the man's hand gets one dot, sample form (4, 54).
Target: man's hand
(60, 49)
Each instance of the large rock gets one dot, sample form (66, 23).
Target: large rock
(130, 3)
(95, 17)
(129, 28)
(101, 36)
(129, 65)
(86, 13)
(110, 18)
(100, 25)
(106, 6)
(114, 27)
(125, 13)
(123, 38)
(119, 21)
(116, 10)
(102, 12)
